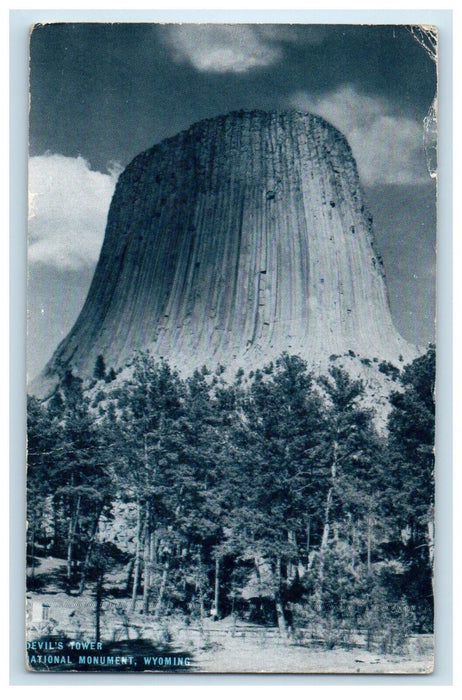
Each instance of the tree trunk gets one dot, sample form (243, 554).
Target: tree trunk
(136, 568)
(308, 542)
(69, 548)
(55, 520)
(130, 567)
(353, 544)
(99, 598)
(322, 550)
(199, 587)
(73, 520)
(154, 548)
(369, 545)
(326, 532)
(217, 587)
(326, 528)
(282, 623)
(163, 585)
(291, 569)
(147, 562)
(86, 563)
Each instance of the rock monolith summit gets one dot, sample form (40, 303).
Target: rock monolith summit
(238, 239)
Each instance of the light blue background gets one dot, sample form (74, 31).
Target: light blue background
(20, 22)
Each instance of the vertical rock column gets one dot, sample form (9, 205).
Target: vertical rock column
(231, 242)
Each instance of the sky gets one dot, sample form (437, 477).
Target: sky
(102, 93)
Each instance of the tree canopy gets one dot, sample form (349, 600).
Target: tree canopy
(271, 495)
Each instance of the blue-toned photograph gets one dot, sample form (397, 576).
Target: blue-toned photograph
(231, 348)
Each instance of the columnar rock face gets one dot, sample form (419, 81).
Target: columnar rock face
(242, 237)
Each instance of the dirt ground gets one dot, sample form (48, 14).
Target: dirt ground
(226, 646)
(251, 658)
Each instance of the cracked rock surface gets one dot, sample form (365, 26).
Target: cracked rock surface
(238, 239)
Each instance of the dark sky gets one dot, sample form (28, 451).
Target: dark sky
(101, 93)
(108, 91)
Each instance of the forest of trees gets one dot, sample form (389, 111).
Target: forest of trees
(272, 496)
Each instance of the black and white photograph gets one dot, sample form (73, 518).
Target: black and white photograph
(231, 348)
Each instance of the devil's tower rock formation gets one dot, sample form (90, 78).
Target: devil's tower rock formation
(242, 237)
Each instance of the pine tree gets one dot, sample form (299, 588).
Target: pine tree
(84, 489)
(272, 476)
(350, 451)
(149, 407)
(411, 478)
(41, 438)
(99, 371)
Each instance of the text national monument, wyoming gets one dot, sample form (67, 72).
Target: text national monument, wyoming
(230, 450)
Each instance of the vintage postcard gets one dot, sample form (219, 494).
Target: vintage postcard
(231, 359)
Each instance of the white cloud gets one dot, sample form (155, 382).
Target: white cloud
(313, 34)
(68, 206)
(388, 149)
(223, 48)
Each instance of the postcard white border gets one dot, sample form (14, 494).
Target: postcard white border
(20, 21)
